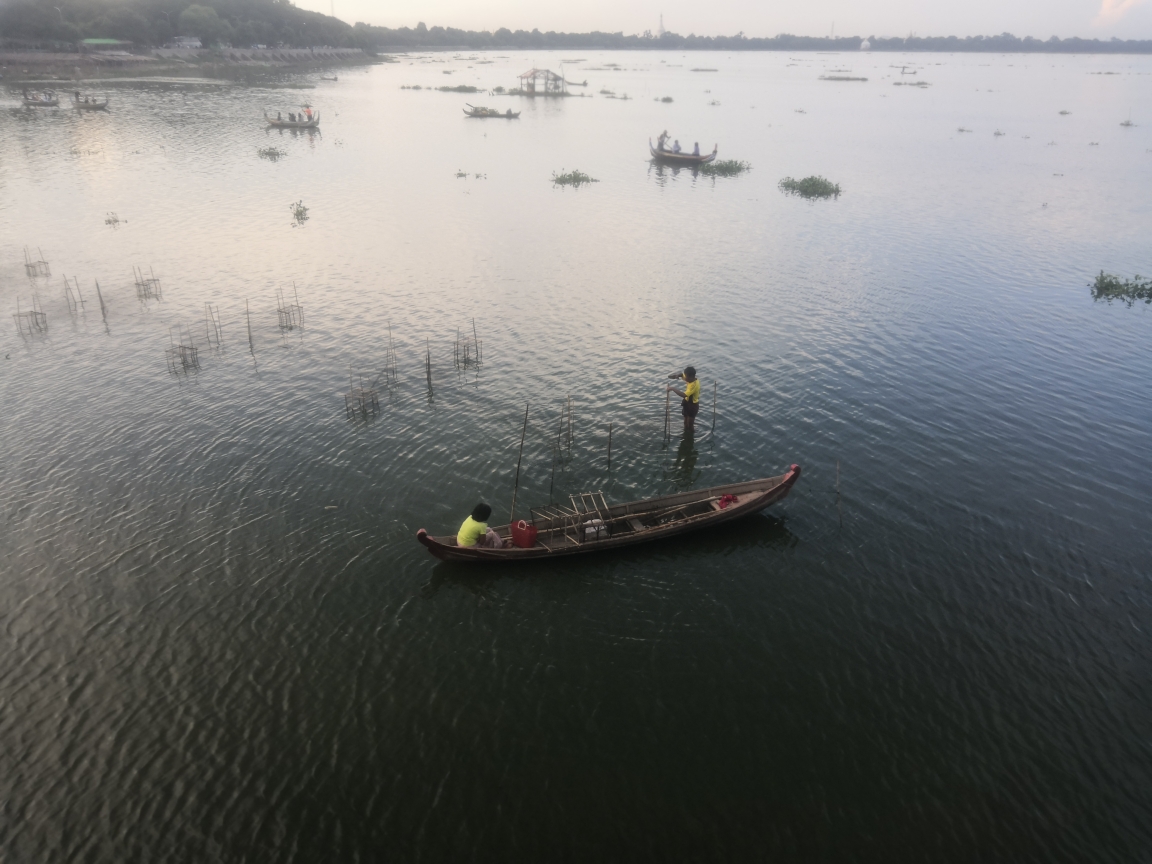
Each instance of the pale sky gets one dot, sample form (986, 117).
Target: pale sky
(1125, 19)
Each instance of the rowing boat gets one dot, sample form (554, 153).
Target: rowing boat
(481, 112)
(592, 525)
(681, 158)
(91, 105)
(42, 103)
(314, 123)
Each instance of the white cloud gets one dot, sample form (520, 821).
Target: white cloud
(1112, 11)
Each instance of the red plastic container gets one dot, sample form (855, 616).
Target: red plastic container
(523, 534)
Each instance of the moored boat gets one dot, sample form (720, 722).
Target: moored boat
(282, 123)
(481, 111)
(592, 525)
(681, 158)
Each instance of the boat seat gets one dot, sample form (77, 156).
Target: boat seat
(637, 525)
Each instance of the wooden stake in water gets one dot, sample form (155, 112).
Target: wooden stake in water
(428, 363)
(516, 488)
(556, 455)
(609, 446)
(103, 312)
(569, 422)
(667, 412)
(713, 406)
(248, 316)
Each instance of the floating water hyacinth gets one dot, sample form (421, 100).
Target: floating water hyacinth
(810, 187)
(1108, 288)
(272, 154)
(572, 178)
(725, 168)
(299, 213)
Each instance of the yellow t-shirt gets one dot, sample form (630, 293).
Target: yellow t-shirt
(692, 391)
(471, 532)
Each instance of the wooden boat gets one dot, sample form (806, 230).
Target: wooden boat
(90, 105)
(37, 102)
(681, 158)
(481, 112)
(591, 525)
(314, 123)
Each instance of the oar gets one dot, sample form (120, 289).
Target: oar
(516, 489)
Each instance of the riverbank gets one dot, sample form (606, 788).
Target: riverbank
(19, 66)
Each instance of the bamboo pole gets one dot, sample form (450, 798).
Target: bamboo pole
(713, 406)
(556, 455)
(839, 511)
(609, 446)
(475, 340)
(103, 312)
(516, 488)
(248, 316)
(569, 422)
(667, 413)
(428, 363)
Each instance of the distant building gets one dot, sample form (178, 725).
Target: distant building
(865, 45)
(185, 42)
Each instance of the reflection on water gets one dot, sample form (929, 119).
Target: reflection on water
(224, 643)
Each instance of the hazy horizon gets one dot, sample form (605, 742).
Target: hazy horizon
(1100, 19)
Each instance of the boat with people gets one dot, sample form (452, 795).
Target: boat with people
(590, 524)
(306, 118)
(677, 157)
(88, 103)
(46, 99)
(481, 111)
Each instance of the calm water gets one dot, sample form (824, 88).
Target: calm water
(222, 642)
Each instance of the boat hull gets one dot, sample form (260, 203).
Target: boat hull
(37, 103)
(685, 159)
(754, 496)
(90, 106)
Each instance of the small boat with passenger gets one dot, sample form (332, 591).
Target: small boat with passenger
(590, 524)
(481, 111)
(89, 103)
(661, 154)
(305, 119)
(47, 99)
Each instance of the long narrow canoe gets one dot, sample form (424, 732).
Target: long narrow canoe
(681, 158)
(314, 123)
(481, 112)
(627, 524)
(42, 103)
(92, 105)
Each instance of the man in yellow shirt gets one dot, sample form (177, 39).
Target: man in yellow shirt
(690, 407)
(475, 530)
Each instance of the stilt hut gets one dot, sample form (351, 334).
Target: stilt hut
(542, 82)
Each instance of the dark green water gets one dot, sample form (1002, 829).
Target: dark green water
(222, 642)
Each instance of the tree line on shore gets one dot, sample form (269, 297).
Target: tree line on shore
(41, 23)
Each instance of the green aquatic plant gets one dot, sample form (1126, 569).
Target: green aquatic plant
(725, 168)
(810, 187)
(299, 213)
(1108, 288)
(572, 178)
(272, 154)
(842, 78)
(459, 88)
(666, 99)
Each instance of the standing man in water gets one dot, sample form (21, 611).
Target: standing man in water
(690, 407)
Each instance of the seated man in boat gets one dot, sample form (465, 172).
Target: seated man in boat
(278, 117)
(676, 146)
(475, 530)
(690, 407)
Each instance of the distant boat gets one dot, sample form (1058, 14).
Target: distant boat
(681, 158)
(91, 104)
(314, 123)
(593, 525)
(329, 78)
(48, 99)
(481, 111)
